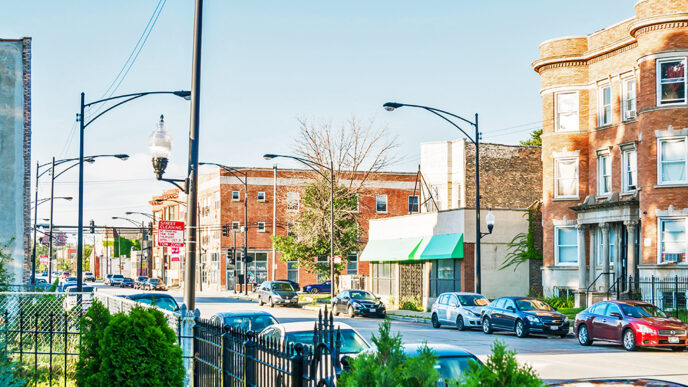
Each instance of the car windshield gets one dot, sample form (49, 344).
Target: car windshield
(70, 279)
(127, 280)
(142, 278)
(352, 342)
(361, 295)
(153, 280)
(642, 311)
(254, 323)
(282, 286)
(527, 305)
(473, 300)
(167, 303)
(453, 368)
(117, 276)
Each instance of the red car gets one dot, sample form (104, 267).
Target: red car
(630, 323)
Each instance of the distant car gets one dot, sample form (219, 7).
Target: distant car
(88, 276)
(245, 320)
(277, 293)
(324, 287)
(294, 285)
(302, 332)
(524, 315)
(140, 280)
(161, 300)
(116, 279)
(108, 279)
(71, 300)
(126, 283)
(358, 302)
(64, 274)
(42, 284)
(630, 382)
(457, 308)
(632, 324)
(44, 274)
(154, 284)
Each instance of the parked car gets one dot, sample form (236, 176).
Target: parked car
(245, 320)
(116, 279)
(277, 293)
(318, 288)
(140, 280)
(161, 300)
(294, 285)
(302, 332)
(41, 284)
(72, 299)
(88, 276)
(64, 274)
(126, 283)
(66, 282)
(154, 284)
(108, 279)
(44, 274)
(631, 324)
(358, 302)
(625, 382)
(457, 308)
(523, 316)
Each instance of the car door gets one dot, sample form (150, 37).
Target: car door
(599, 321)
(612, 324)
(452, 308)
(509, 314)
(441, 307)
(341, 301)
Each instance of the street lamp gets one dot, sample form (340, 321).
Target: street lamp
(391, 106)
(150, 216)
(313, 165)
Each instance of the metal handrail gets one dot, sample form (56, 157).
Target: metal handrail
(597, 278)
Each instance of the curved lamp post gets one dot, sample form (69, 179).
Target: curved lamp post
(391, 106)
(314, 166)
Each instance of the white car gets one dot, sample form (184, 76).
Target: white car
(302, 332)
(71, 299)
(460, 309)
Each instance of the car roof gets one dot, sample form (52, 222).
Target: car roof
(306, 326)
(146, 295)
(441, 350)
(243, 313)
(630, 302)
(463, 294)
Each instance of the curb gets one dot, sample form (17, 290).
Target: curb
(408, 319)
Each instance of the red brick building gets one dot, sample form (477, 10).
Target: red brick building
(615, 150)
(273, 205)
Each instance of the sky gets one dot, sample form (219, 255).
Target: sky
(265, 64)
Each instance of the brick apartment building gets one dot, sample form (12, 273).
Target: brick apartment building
(273, 206)
(615, 151)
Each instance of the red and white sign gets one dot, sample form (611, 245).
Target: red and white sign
(175, 250)
(44, 259)
(170, 233)
(174, 258)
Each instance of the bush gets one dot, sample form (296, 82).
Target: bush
(501, 370)
(93, 325)
(411, 303)
(10, 371)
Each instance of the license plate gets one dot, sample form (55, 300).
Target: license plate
(372, 310)
(554, 327)
(673, 340)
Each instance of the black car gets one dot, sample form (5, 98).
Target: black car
(162, 301)
(524, 315)
(126, 283)
(248, 320)
(294, 285)
(358, 302)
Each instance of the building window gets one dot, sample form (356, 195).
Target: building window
(671, 81)
(291, 229)
(292, 201)
(258, 269)
(672, 235)
(566, 178)
(672, 161)
(604, 174)
(612, 242)
(293, 271)
(604, 113)
(352, 264)
(384, 270)
(412, 204)
(261, 226)
(381, 203)
(445, 269)
(566, 245)
(235, 195)
(630, 170)
(628, 106)
(566, 114)
(261, 196)
(235, 225)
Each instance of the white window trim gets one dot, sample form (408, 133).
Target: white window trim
(608, 155)
(556, 111)
(556, 178)
(386, 204)
(259, 228)
(659, 160)
(623, 90)
(238, 225)
(601, 105)
(624, 173)
(658, 71)
(238, 196)
(258, 196)
(556, 247)
(660, 241)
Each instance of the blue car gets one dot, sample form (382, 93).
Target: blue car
(524, 315)
(324, 287)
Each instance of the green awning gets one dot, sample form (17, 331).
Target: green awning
(386, 250)
(447, 246)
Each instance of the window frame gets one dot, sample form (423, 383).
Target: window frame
(259, 228)
(624, 100)
(377, 210)
(658, 71)
(625, 186)
(349, 264)
(413, 204)
(557, 127)
(660, 161)
(598, 248)
(602, 106)
(258, 194)
(389, 270)
(660, 240)
(238, 196)
(606, 176)
(556, 178)
(238, 225)
(557, 261)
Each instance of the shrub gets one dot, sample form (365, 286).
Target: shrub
(93, 325)
(411, 303)
(501, 370)
(10, 372)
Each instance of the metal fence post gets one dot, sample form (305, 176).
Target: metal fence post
(676, 296)
(226, 360)
(249, 359)
(297, 366)
(653, 290)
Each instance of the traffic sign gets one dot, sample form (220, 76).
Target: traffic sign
(44, 259)
(170, 233)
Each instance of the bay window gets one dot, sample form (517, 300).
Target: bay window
(566, 178)
(672, 236)
(566, 245)
(671, 81)
(566, 112)
(672, 161)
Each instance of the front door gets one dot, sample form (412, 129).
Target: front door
(509, 315)
(612, 324)
(452, 309)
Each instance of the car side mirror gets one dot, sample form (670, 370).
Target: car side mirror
(555, 308)
(615, 314)
(345, 298)
(510, 309)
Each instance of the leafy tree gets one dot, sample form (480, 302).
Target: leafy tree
(93, 325)
(120, 246)
(535, 138)
(10, 371)
(501, 370)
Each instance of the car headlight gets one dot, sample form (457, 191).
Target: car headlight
(566, 320)
(356, 305)
(278, 297)
(533, 319)
(645, 329)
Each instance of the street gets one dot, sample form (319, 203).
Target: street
(552, 358)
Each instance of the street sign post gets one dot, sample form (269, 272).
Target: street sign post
(44, 259)
(170, 233)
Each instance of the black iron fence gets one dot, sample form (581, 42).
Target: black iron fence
(668, 293)
(232, 357)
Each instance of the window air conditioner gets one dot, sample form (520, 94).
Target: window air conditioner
(629, 114)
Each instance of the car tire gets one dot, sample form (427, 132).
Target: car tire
(313, 291)
(260, 301)
(351, 312)
(487, 326)
(459, 323)
(678, 349)
(628, 340)
(271, 303)
(335, 311)
(520, 329)
(435, 321)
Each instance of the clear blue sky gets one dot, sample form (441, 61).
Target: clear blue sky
(266, 63)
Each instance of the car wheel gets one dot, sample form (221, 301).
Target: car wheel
(678, 349)
(629, 340)
(520, 329)
(313, 291)
(271, 303)
(459, 323)
(435, 321)
(487, 326)
(335, 310)
(351, 312)
(260, 301)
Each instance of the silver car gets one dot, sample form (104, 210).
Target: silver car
(277, 293)
(460, 309)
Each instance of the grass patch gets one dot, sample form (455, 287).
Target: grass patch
(315, 298)
(570, 312)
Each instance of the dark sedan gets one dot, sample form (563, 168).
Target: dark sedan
(632, 324)
(249, 320)
(318, 288)
(358, 302)
(524, 315)
(126, 283)
(154, 284)
(140, 280)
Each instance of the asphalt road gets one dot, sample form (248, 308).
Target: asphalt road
(553, 358)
